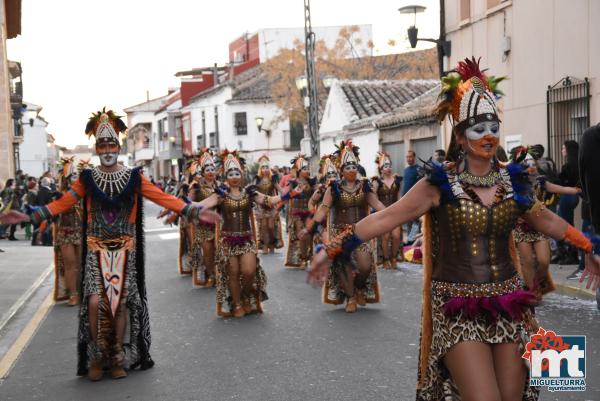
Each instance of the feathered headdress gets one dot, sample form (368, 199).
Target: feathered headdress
(206, 157)
(231, 160)
(105, 126)
(66, 167)
(327, 166)
(299, 161)
(346, 153)
(469, 96)
(263, 161)
(381, 158)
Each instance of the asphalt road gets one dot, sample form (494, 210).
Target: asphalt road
(299, 349)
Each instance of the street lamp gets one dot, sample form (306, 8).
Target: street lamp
(328, 81)
(259, 125)
(302, 85)
(443, 45)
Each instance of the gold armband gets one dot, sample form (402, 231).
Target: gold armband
(537, 208)
(324, 206)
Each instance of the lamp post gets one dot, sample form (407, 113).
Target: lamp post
(259, 125)
(443, 46)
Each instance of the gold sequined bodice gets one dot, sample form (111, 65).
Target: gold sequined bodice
(351, 206)
(266, 186)
(470, 242)
(236, 213)
(387, 195)
(202, 191)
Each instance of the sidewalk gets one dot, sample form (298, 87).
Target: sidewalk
(570, 287)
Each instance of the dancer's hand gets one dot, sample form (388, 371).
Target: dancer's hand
(319, 268)
(14, 217)
(591, 272)
(163, 213)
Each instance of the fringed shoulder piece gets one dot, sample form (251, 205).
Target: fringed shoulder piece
(521, 184)
(398, 180)
(222, 190)
(366, 185)
(251, 190)
(335, 190)
(435, 174)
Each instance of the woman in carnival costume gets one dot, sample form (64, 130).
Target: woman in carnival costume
(113, 285)
(476, 313)
(241, 281)
(328, 173)
(186, 256)
(532, 245)
(387, 188)
(203, 235)
(67, 232)
(299, 249)
(267, 218)
(345, 203)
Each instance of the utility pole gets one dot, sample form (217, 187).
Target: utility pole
(311, 77)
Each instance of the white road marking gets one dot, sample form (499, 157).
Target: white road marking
(169, 236)
(151, 230)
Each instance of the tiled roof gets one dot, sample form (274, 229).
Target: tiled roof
(372, 98)
(151, 105)
(421, 108)
(257, 87)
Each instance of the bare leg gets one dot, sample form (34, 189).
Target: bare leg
(208, 254)
(71, 262)
(385, 249)
(233, 271)
(364, 261)
(271, 230)
(542, 254)
(304, 244)
(510, 370)
(527, 264)
(396, 240)
(248, 272)
(93, 316)
(471, 366)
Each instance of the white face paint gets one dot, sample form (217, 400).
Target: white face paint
(350, 167)
(108, 159)
(482, 129)
(234, 178)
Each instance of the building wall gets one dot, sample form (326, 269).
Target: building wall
(550, 39)
(7, 168)
(207, 104)
(33, 152)
(422, 138)
(244, 48)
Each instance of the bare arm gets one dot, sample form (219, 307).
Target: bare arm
(374, 202)
(327, 202)
(559, 189)
(415, 203)
(209, 203)
(316, 197)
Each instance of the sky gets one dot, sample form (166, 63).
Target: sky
(80, 55)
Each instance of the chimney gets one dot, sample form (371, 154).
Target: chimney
(215, 75)
(147, 96)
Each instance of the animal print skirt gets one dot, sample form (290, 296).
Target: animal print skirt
(449, 331)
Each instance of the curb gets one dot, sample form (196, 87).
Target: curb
(577, 292)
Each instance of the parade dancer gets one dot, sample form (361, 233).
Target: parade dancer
(186, 256)
(328, 173)
(387, 188)
(299, 249)
(113, 280)
(203, 233)
(345, 203)
(67, 232)
(267, 218)
(476, 314)
(241, 281)
(533, 246)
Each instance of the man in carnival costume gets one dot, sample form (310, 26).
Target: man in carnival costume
(477, 313)
(113, 279)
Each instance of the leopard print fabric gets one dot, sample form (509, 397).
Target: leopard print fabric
(524, 233)
(449, 331)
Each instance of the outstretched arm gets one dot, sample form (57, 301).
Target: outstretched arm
(61, 205)
(559, 189)
(419, 200)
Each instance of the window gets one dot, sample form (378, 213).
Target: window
(465, 9)
(240, 123)
(200, 141)
(568, 113)
(294, 135)
(212, 140)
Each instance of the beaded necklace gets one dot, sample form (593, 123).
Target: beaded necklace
(113, 182)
